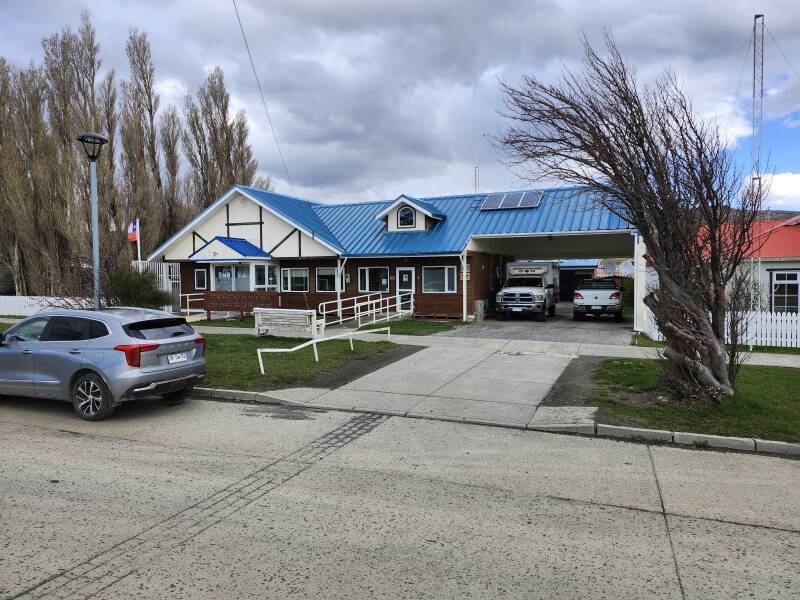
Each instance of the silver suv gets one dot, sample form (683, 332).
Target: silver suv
(99, 359)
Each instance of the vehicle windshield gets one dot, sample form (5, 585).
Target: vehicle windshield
(524, 282)
(597, 284)
(159, 329)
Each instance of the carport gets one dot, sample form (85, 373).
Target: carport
(612, 243)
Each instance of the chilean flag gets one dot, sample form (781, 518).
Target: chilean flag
(133, 232)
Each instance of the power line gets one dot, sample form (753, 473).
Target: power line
(791, 66)
(263, 101)
(746, 43)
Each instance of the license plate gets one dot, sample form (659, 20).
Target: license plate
(176, 358)
(597, 308)
(516, 310)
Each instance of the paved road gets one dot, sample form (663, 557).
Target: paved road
(212, 500)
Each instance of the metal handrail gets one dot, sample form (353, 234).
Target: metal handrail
(343, 304)
(190, 299)
(314, 341)
(379, 308)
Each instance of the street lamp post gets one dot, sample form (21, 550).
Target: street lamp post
(92, 143)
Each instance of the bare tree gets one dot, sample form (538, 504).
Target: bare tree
(216, 145)
(170, 134)
(651, 160)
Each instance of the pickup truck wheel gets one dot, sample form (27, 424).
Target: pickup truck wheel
(552, 310)
(618, 317)
(577, 316)
(501, 315)
(541, 316)
(91, 398)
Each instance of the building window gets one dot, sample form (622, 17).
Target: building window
(266, 277)
(294, 280)
(373, 279)
(326, 279)
(223, 278)
(785, 291)
(439, 280)
(406, 217)
(200, 281)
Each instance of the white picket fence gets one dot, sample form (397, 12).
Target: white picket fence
(759, 329)
(23, 306)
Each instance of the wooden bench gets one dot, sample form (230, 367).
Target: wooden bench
(288, 321)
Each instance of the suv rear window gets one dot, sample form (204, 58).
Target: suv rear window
(597, 284)
(158, 329)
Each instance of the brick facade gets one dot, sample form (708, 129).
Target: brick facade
(483, 281)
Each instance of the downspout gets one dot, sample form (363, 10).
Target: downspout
(464, 285)
(339, 272)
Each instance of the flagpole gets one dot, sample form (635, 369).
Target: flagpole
(139, 243)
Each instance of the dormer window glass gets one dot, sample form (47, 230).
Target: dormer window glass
(406, 218)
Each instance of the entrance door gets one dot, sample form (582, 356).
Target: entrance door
(405, 277)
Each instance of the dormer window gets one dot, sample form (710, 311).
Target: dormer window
(406, 218)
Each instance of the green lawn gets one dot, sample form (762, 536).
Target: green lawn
(766, 404)
(641, 339)
(249, 322)
(4, 326)
(415, 326)
(233, 363)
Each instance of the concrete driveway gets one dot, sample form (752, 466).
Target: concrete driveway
(561, 328)
(212, 500)
(494, 382)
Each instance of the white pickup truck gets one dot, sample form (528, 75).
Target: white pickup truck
(597, 297)
(530, 288)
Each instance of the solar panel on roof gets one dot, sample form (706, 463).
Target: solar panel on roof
(530, 200)
(511, 200)
(492, 202)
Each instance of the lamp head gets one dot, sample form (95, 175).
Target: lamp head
(92, 142)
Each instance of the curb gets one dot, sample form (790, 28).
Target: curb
(680, 438)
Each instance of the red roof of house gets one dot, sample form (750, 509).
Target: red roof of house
(778, 239)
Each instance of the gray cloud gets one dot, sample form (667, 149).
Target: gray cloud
(373, 99)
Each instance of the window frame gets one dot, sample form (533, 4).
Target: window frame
(267, 287)
(786, 282)
(334, 290)
(368, 291)
(413, 217)
(289, 269)
(205, 279)
(446, 279)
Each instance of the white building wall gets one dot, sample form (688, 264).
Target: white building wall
(244, 210)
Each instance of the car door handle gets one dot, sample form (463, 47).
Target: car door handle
(75, 352)
(27, 351)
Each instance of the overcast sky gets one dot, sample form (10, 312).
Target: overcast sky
(372, 99)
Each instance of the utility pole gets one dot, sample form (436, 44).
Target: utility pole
(758, 97)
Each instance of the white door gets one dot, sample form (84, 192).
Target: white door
(406, 282)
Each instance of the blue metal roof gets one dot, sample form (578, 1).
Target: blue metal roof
(353, 229)
(298, 211)
(238, 245)
(427, 206)
(560, 210)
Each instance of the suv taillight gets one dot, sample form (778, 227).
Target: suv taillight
(577, 296)
(201, 341)
(615, 296)
(133, 352)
